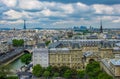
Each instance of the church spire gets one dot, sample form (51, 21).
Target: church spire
(101, 28)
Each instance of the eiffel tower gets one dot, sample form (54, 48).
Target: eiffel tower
(101, 28)
(24, 24)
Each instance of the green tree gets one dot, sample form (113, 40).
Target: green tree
(55, 69)
(49, 68)
(12, 77)
(26, 58)
(4, 70)
(37, 70)
(92, 66)
(62, 70)
(56, 74)
(68, 74)
(80, 74)
(47, 43)
(94, 72)
(74, 73)
(17, 42)
(104, 76)
(46, 74)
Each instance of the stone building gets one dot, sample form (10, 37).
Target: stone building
(65, 57)
(78, 53)
(111, 67)
(40, 56)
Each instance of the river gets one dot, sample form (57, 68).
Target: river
(16, 65)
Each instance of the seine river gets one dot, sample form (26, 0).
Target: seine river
(16, 65)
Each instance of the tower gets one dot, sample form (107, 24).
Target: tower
(24, 24)
(101, 28)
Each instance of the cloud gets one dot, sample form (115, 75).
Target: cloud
(30, 5)
(116, 21)
(58, 13)
(102, 9)
(11, 14)
(88, 2)
(9, 3)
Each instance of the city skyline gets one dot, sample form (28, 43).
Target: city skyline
(59, 13)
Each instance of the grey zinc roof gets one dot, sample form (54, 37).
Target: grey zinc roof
(116, 48)
(59, 49)
(54, 45)
(118, 44)
(115, 62)
(87, 54)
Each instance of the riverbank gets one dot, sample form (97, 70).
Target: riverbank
(10, 61)
(6, 57)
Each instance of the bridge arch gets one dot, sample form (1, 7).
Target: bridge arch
(27, 51)
(91, 60)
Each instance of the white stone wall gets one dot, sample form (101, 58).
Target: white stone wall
(40, 56)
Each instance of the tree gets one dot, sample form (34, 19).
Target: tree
(81, 74)
(49, 68)
(94, 72)
(47, 43)
(56, 74)
(37, 70)
(74, 73)
(62, 70)
(12, 77)
(26, 58)
(67, 74)
(46, 74)
(55, 69)
(17, 42)
(4, 70)
(104, 76)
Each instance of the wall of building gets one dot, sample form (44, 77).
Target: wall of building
(106, 52)
(40, 56)
(71, 59)
(117, 70)
(105, 68)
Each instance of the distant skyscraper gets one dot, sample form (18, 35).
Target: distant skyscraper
(24, 24)
(101, 28)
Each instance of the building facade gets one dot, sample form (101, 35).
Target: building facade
(40, 56)
(65, 57)
(111, 66)
(77, 54)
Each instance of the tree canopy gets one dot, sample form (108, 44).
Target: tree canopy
(81, 73)
(12, 77)
(26, 58)
(92, 71)
(47, 43)
(4, 70)
(18, 42)
(37, 70)
(67, 74)
(46, 74)
(56, 74)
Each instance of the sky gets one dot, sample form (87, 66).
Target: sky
(59, 13)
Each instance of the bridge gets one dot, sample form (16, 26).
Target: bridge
(10, 56)
(28, 50)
